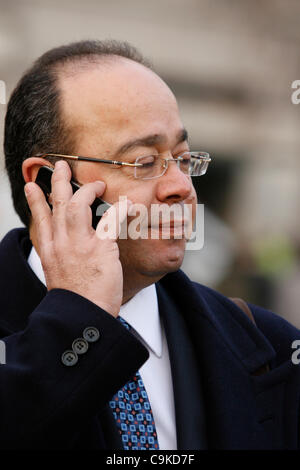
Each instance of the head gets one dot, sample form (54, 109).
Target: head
(101, 99)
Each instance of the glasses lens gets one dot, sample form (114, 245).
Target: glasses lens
(151, 167)
(190, 163)
(185, 163)
(199, 163)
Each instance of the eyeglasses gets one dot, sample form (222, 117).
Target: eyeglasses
(151, 166)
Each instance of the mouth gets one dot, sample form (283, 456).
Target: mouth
(163, 221)
(170, 230)
(172, 224)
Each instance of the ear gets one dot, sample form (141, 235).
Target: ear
(31, 166)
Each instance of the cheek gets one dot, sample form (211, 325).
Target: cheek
(193, 202)
(117, 188)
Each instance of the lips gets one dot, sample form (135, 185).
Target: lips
(175, 228)
(171, 224)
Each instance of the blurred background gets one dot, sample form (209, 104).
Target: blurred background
(231, 64)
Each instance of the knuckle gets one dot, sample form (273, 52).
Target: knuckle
(114, 248)
(73, 206)
(86, 188)
(57, 176)
(58, 202)
(92, 186)
(83, 250)
(41, 219)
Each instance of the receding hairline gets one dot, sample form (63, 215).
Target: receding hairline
(82, 64)
(75, 65)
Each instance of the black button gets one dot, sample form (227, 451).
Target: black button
(69, 358)
(80, 346)
(91, 334)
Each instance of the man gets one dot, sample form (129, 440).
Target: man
(81, 313)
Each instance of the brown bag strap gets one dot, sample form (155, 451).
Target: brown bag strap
(244, 307)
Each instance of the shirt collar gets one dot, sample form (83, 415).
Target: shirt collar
(141, 311)
(34, 262)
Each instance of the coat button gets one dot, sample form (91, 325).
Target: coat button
(80, 346)
(69, 358)
(91, 334)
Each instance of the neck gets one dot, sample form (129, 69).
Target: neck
(132, 284)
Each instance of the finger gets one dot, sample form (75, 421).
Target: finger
(79, 214)
(40, 211)
(110, 223)
(61, 193)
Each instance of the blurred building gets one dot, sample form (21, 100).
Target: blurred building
(231, 65)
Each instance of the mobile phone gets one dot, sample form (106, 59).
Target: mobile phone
(43, 179)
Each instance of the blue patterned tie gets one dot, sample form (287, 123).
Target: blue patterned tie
(133, 414)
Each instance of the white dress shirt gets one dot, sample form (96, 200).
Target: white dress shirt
(141, 313)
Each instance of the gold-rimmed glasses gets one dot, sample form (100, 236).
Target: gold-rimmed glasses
(151, 166)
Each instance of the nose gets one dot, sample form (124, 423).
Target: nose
(174, 185)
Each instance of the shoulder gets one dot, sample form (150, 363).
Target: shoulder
(278, 331)
(265, 319)
(222, 311)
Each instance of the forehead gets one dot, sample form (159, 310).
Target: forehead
(117, 100)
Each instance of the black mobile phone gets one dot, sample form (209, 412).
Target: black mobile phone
(43, 179)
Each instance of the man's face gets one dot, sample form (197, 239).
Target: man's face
(109, 106)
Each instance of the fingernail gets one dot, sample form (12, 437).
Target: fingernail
(59, 164)
(101, 182)
(28, 188)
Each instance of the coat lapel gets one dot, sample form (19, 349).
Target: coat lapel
(189, 406)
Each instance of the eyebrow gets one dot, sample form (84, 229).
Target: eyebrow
(150, 141)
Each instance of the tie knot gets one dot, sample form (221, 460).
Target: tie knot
(124, 322)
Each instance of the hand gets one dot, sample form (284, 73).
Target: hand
(74, 256)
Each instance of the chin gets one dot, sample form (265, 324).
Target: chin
(165, 260)
(151, 258)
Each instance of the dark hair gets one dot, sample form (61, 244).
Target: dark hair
(33, 122)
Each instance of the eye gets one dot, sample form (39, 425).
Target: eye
(185, 159)
(147, 161)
